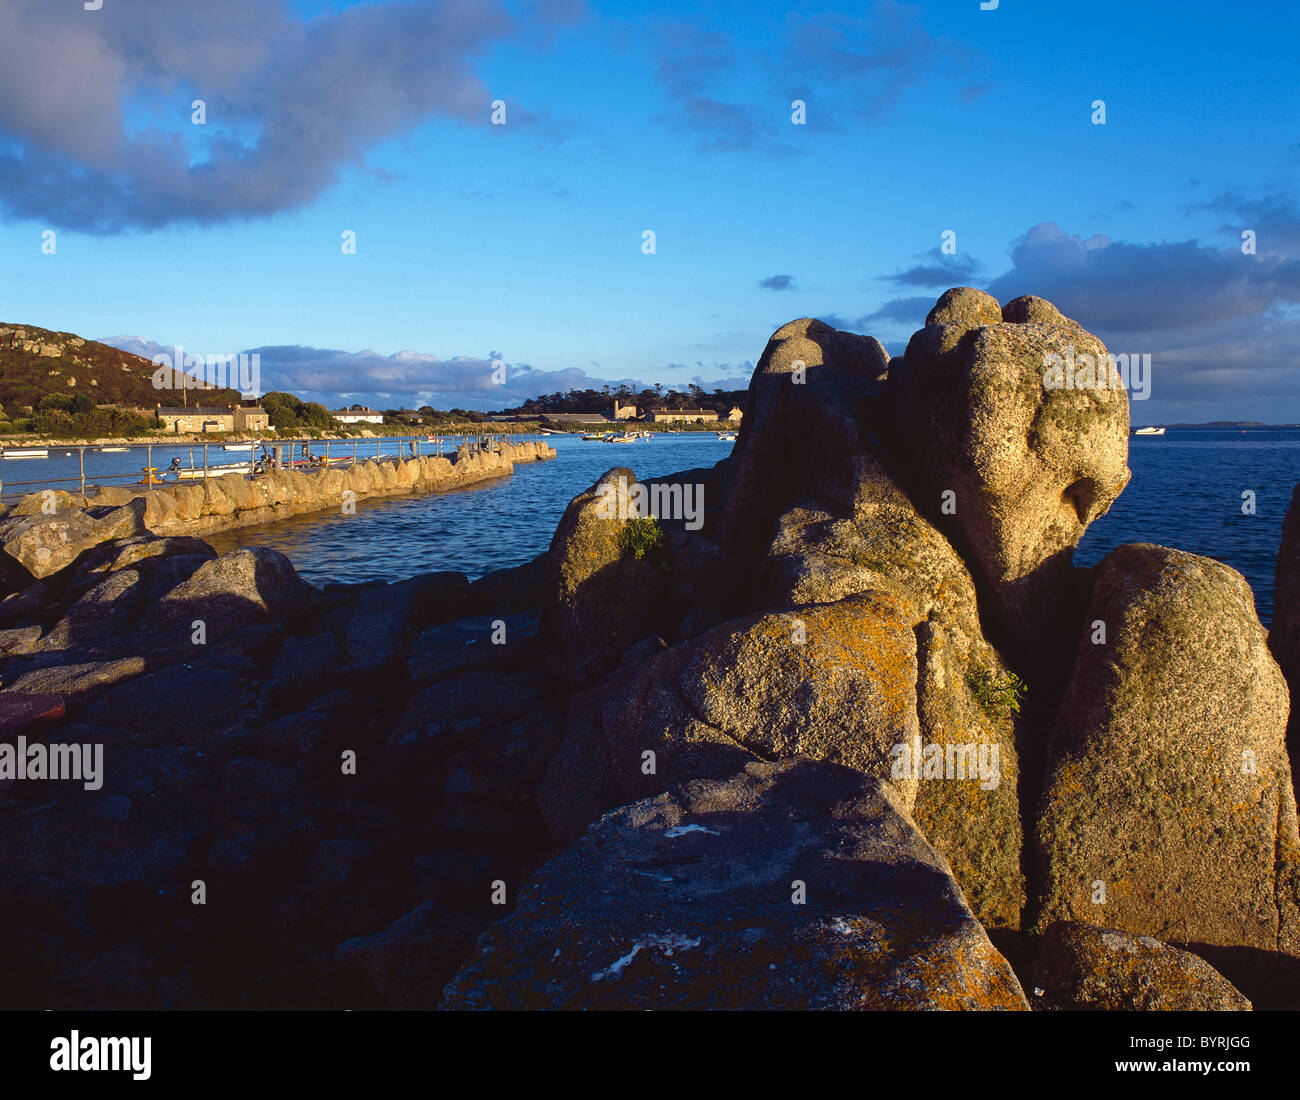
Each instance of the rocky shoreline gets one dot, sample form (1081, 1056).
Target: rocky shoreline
(866, 739)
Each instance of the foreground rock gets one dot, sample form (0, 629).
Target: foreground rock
(33, 546)
(833, 682)
(1082, 967)
(788, 886)
(1284, 636)
(1169, 809)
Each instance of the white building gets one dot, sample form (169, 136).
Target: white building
(357, 416)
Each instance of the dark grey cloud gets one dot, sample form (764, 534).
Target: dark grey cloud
(1274, 217)
(777, 282)
(1221, 327)
(1119, 287)
(941, 271)
(291, 102)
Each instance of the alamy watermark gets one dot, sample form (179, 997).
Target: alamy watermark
(662, 500)
(954, 760)
(242, 372)
(1084, 371)
(57, 760)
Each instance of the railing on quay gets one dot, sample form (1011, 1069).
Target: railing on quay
(276, 454)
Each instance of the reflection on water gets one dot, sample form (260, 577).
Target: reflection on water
(1186, 493)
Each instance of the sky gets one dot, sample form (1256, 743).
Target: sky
(523, 241)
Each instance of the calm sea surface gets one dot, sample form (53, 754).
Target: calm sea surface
(1186, 492)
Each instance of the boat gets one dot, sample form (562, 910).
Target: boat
(623, 437)
(239, 446)
(25, 452)
(1149, 431)
(594, 436)
(197, 472)
(112, 450)
(727, 437)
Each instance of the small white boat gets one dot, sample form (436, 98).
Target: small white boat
(197, 474)
(238, 446)
(623, 438)
(113, 450)
(25, 452)
(727, 437)
(1149, 431)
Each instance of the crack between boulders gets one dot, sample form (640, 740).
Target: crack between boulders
(694, 712)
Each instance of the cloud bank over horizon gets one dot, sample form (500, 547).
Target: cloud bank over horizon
(409, 378)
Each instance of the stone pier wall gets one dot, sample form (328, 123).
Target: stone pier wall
(236, 500)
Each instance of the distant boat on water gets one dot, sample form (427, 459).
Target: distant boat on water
(112, 450)
(727, 437)
(25, 452)
(1149, 431)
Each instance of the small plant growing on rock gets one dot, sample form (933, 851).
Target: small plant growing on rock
(643, 539)
(999, 694)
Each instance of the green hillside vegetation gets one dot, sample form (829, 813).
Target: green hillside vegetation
(36, 363)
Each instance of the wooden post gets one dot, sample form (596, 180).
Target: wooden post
(205, 462)
(81, 458)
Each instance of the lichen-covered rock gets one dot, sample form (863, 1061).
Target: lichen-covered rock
(33, 547)
(833, 682)
(599, 596)
(1284, 635)
(964, 305)
(965, 693)
(1083, 967)
(1169, 809)
(793, 885)
(1013, 464)
(805, 418)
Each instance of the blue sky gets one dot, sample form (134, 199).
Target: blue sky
(524, 241)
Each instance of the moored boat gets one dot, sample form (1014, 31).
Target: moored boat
(24, 452)
(198, 473)
(1149, 431)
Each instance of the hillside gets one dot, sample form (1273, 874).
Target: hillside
(35, 362)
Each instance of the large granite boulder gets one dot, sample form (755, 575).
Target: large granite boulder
(604, 580)
(1015, 435)
(805, 417)
(238, 589)
(1169, 809)
(33, 547)
(791, 885)
(1082, 967)
(833, 682)
(1284, 634)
